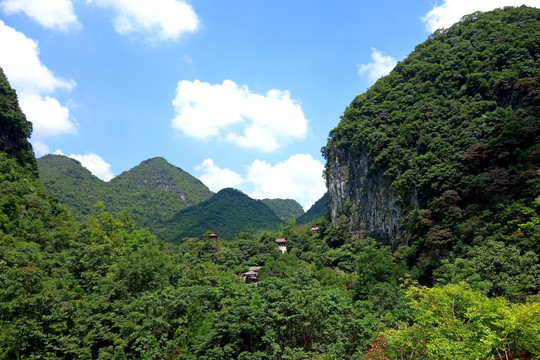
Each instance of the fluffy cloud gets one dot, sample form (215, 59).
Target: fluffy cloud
(52, 14)
(299, 177)
(40, 148)
(159, 19)
(205, 111)
(20, 60)
(217, 178)
(451, 11)
(380, 66)
(94, 163)
(34, 83)
(48, 116)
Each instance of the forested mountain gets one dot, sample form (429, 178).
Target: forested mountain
(151, 192)
(156, 190)
(317, 210)
(444, 152)
(15, 129)
(456, 278)
(284, 208)
(227, 213)
(72, 183)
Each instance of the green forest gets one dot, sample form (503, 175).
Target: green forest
(171, 203)
(151, 192)
(457, 122)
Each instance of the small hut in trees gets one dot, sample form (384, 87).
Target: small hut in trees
(212, 236)
(252, 275)
(282, 244)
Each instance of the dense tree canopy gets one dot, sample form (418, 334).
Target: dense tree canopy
(152, 192)
(456, 126)
(104, 288)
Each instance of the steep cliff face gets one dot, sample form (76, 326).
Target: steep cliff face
(364, 195)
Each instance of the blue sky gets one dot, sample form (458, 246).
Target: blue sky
(239, 93)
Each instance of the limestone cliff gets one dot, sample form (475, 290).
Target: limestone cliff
(364, 195)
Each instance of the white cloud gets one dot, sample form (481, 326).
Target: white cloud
(20, 60)
(94, 163)
(51, 14)
(380, 66)
(205, 111)
(48, 116)
(300, 177)
(40, 148)
(159, 19)
(451, 11)
(217, 178)
(34, 83)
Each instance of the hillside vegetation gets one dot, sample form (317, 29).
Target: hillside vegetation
(103, 288)
(73, 184)
(455, 128)
(284, 208)
(227, 213)
(317, 210)
(151, 192)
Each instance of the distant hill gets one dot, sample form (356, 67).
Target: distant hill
(319, 209)
(227, 213)
(155, 190)
(152, 191)
(73, 184)
(284, 208)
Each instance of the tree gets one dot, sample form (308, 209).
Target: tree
(456, 322)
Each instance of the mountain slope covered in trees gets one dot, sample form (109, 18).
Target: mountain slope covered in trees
(227, 213)
(284, 208)
(72, 183)
(317, 210)
(15, 128)
(444, 152)
(151, 192)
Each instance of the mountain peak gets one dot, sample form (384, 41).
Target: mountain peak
(158, 174)
(156, 160)
(152, 191)
(227, 213)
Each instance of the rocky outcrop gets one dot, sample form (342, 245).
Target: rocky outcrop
(160, 180)
(363, 194)
(15, 129)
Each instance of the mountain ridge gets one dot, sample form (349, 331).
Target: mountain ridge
(227, 213)
(284, 208)
(151, 191)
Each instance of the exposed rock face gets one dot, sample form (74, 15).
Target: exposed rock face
(160, 181)
(364, 195)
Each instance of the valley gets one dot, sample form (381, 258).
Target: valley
(426, 245)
